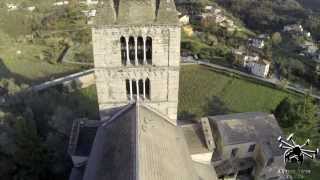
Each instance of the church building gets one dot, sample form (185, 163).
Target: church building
(136, 48)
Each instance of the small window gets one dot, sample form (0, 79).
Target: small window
(252, 148)
(234, 152)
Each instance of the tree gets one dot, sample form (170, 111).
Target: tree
(285, 113)
(11, 86)
(276, 38)
(31, 157)
(307, 111)
(62, 119)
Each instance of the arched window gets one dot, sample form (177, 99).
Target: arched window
(148, 87)
(149, 50)
(134, 87)
(128, 88)
(140, 87)
(123, 50)
(131, 50)
(140, 50)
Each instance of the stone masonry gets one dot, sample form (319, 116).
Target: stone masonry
(112, 73)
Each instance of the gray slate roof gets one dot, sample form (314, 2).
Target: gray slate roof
(136, 12)
(261, 128)
(139, 143)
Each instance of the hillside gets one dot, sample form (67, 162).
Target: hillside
(269, 16)
(311, 4)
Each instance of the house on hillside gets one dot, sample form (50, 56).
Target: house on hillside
(248, 60)
(208, 8)
(217, 11)
(309, 48)
(264, 36)
(307, 34)
(261, 68)
(256, 43)
(61, 3)
(31, 8)
(245, 146)
(293, 28)
(253, 63)
(219, 18)
(89, 15)
(92, 2)
(12, 7)
(184, 19)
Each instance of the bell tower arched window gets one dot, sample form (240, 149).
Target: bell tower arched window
(140, 50)
(123, 50)
(149, 50)
(147, 88)
(131, 50)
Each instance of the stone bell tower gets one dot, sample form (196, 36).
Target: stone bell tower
(136, 47)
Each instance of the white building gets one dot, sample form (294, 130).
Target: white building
(257, 43)
(256, 66)
(208, 8)
(293, 27)
(184, 20)
(309, 47)
(12, 7)
(61, 3)
(92, 2)
(217, 11)
(219, 18)
(260, 68)
(249, 60)
(308, 34)
(31, 8)
(264, 36)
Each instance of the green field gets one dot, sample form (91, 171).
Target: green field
(21, 56)
(206, 92)
(27, 67)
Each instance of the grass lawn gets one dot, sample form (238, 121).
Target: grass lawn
(206, 92)
(15, 29)
(27, 67)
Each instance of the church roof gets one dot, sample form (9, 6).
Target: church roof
(195, 138)
(136, 12)
(139, 143)
(258, 127)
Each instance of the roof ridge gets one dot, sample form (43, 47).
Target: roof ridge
(116, 115)
(158, 113)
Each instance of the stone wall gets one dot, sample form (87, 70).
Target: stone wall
(163, 74)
